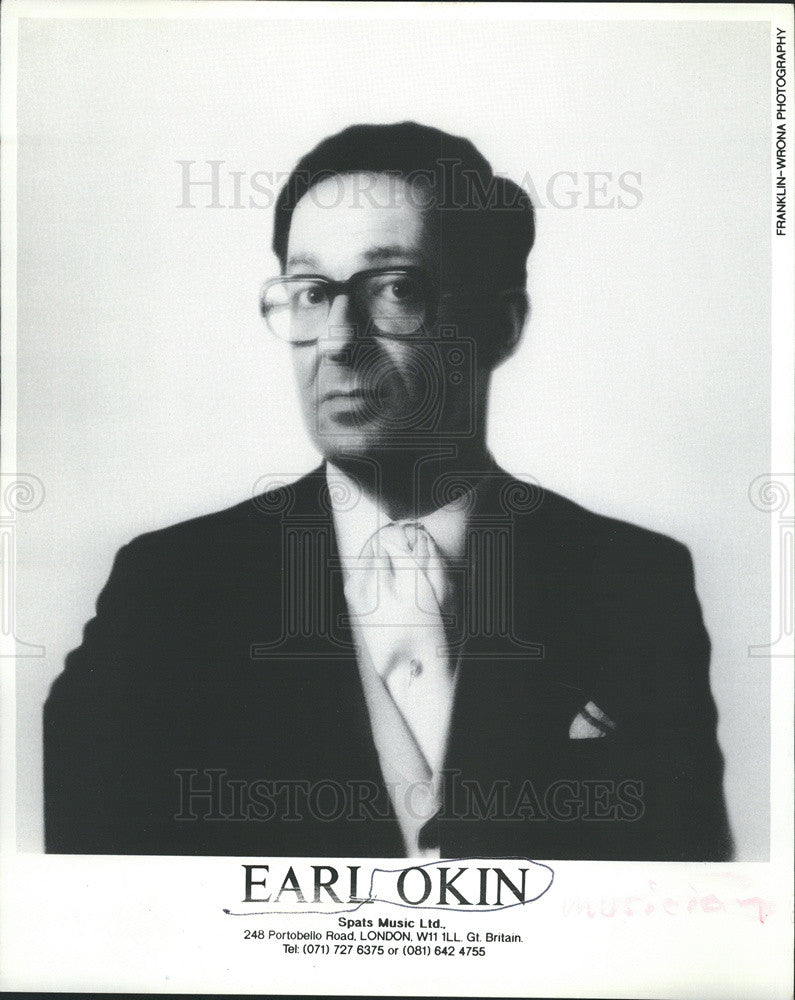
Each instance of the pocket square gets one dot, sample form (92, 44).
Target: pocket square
(591, 723)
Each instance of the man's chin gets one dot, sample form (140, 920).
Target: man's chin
(373, 440)
(353, 445)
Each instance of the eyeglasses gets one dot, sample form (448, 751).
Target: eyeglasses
(399, 302)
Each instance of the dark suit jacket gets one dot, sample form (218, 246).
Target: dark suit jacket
(220, 659)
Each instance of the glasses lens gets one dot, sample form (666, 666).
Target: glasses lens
(295, 308)
(396, 301)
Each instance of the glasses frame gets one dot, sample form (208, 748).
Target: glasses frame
(336, 288)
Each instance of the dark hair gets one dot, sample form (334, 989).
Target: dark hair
(486, 221)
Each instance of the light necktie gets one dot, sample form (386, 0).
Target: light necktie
(397, 595)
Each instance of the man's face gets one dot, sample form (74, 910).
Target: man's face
(359, 388)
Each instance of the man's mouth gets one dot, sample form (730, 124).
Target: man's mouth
(342, 394)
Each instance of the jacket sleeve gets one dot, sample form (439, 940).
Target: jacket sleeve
(98, 722)
(684, 799)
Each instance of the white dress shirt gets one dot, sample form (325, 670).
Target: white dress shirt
(410, 759)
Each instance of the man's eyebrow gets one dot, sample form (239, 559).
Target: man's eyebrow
(377, 254)
(302, 259)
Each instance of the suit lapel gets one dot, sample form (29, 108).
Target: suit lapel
(513, 704)
(317, 658)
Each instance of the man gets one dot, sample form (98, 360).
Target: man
(407, 652)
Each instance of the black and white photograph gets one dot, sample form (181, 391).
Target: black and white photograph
(397, 498)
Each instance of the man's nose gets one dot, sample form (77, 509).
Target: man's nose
(336, 340)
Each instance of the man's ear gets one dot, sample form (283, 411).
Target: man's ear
(511, 314)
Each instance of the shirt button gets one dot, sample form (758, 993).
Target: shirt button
(416, 668)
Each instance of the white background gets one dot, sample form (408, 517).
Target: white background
(148, 392)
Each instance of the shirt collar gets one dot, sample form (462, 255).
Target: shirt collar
(358, 516)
